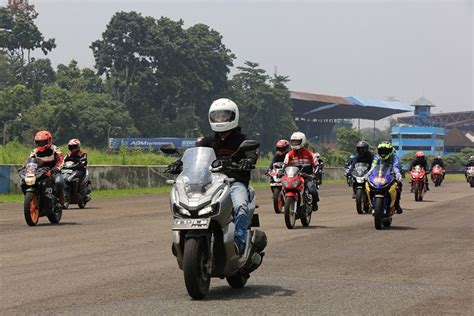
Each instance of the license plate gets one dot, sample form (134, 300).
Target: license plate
(275, 184)
(192, 223)
(67, 171)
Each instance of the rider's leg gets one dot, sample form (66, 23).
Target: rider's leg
(240, 200)
(314, 193)
(59, 182)
(399, 197)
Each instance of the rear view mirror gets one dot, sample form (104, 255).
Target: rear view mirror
(248, 145)
(169, 149)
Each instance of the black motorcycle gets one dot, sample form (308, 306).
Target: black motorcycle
(78, 188)
(359, 178)
(41, 198)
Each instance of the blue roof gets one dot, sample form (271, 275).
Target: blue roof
(392, 105)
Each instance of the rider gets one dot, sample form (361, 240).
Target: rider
(470, 163)
(52, 158)
(363, 156)
(77, 156)
(386, 155)
(227, 137)
(319, 163)
(282, 148)
(420, 160)
(300, 155)
(438, 161)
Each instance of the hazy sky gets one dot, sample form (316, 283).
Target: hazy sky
(368, 48)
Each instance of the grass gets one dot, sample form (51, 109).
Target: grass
(16, 153)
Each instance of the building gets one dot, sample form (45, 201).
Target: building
(421, 134)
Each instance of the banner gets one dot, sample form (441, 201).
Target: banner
(151, 143)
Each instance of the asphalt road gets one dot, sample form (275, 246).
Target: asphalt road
(114, 257)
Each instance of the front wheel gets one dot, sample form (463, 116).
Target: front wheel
(278, 201)
(237, 281)
(378, 213)
(196, 278)
(471, 182)
(31, 209)
(290, 214)
(360, 201)
(417, 192)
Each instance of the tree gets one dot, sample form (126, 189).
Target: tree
(264, 105)
(36, 75)
(18, 33)
(347, 139)
(72, 78)
(14, 101)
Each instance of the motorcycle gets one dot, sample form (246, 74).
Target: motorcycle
(77, 191)
(358, 176)
(418, 180)
(41, 198)
(276, 187)
(470, 176)
(298, 200)
(382, 194)
(203, 229)
(437, 175)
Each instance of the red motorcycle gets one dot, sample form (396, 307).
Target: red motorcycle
(298, 200)
(437, 175)
(276, 187)
(418, 179)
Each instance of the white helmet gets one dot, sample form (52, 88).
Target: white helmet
(223, 115)
(297, 140)
(316, 156)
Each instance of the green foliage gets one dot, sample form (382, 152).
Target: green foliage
(72, 78)
(346, 139)
(380, 136)
(13, 101)
(334, 157)
(452, 162)
(18, 33)
(264, 105)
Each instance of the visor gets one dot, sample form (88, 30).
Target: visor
(282, 149)
(72, 147)
(361, 150)
(41, 143)
(221, 116)
(296, 142)
(384, 152)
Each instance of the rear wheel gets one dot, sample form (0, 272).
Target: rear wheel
(31, 209)
(278, 202)
(196, 278)
(378, 213)
(360, 201)
(290, 214)
(237, 281)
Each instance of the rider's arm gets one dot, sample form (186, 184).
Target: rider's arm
(59, 158)
(396, 164)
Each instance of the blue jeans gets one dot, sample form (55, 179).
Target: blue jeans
(240, 199)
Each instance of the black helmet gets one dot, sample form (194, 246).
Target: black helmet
(362, 147)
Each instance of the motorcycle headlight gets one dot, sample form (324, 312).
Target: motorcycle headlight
(295, 184)
(285, 183)
(206, 210)
(30, 180)
(360, 179)
(181, 210)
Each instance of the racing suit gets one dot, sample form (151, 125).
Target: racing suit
(396, 190)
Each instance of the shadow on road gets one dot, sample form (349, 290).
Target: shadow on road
(402, 228)
(311, 227)
(59, 224)
(248, 292)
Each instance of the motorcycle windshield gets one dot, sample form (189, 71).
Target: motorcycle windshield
(380, 176)
(360, 169)
(291, 171)
(196, 172)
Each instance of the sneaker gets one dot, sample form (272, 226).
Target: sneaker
(399, 209)
(315, 207)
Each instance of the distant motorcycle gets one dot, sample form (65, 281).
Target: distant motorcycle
(203, 229)
(358, 176)
(298, 200)
(276, 187)
(77, 191)
(437, 175)
(380, 191)
(418, 181)
(41, 198)
(470, 176)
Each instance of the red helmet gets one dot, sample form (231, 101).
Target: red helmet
(419, 154)
(74, 145)
(282, 147)
(43, 140)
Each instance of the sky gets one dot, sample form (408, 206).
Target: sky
(372, 48)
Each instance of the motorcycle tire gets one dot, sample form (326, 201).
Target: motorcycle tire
(306, 220)
(471, 182)
(278, 202)
(81, 204)
(237, 281)
(31, 209)
(290, 215)
(378, 213)
(360, 201)
(417, 192)
(388, 222)
(66, 200)
(54, 215)
(195, 259)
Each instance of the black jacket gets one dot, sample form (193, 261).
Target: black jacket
(366, 158)
(79, 158)
(437, 161)
(224, 148)
(419, 162)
